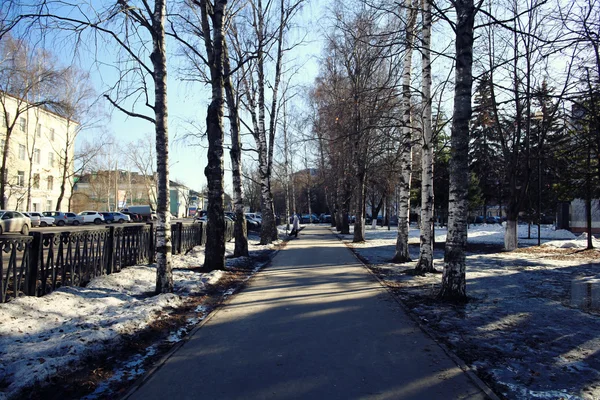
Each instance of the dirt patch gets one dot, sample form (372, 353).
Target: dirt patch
(561, 254)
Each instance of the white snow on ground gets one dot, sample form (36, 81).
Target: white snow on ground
(519, 331)
(45, 336)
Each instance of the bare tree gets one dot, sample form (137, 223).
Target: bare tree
(212, 27)
(142, 156)
(454, 276)
(76, 95)
(265, 41)
(402, 254)
(240, 230)
(26, 83)
(128, 24)
(425, 263)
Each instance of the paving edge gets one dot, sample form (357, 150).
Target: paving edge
(457, 360)
(158, 364)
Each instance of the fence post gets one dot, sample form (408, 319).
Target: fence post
(179, 237)
(151, 244)
(110, 250)
(36, 252)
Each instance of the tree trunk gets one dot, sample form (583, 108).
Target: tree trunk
(454, 277)
(3, 168)
(359, 224)
(65, 169)
(240, 229)
(273, 120)
(588, 198)
(286, 167)
(164, 274)
(215, 232)
(402, 254)
(425, 263)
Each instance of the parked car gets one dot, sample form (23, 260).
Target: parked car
(91, 217)
(146, 212)
(325, 218)
(133, 217)
(252, 224)
(492, 220)
(255, 217)
(115, 217)
(44, 220)
(35, 219)
(14, 221)
(62, 218)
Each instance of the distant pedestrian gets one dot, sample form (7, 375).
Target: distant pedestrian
(295, 226)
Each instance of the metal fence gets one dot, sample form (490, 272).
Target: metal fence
(36, 265)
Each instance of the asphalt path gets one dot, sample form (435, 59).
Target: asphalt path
(315, 324)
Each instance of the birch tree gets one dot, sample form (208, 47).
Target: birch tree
(265, 41)
(454, 275)
(138, 31)
(26, 84)
(425, 263)
(402, 255)
(212, 28)
(76, 95)
(240, 229)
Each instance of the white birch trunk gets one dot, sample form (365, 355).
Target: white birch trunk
(511, 241)
(240, 229)
(359, 224)
(164, 274)
(425, 263)
(454, 276)
(402, 254)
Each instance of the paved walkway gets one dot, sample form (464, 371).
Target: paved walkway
(313, 325)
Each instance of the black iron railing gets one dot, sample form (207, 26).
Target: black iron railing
(14, 267)
(39, 264)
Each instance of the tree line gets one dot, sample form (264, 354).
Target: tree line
(381, 125)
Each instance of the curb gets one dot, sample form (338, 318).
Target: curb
(158, 364)
(457, 360)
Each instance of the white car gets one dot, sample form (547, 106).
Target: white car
(91, 217)
(41, 219)
(35, 219)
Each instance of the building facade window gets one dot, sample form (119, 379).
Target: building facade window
(36, 207)
(50, 183)
(21, 178)
(38, 131)
(37, 156)
(22, 124)
(36, 181)
(48, 205)
(52, 134)
(21, 152)
(51, 159)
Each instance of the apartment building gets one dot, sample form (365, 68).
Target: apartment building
(109, 190)
(36, 154)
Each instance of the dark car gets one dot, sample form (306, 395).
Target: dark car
(325, 218)
(492, 220)
(112, 217)
(133, 216)
(108, 216)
